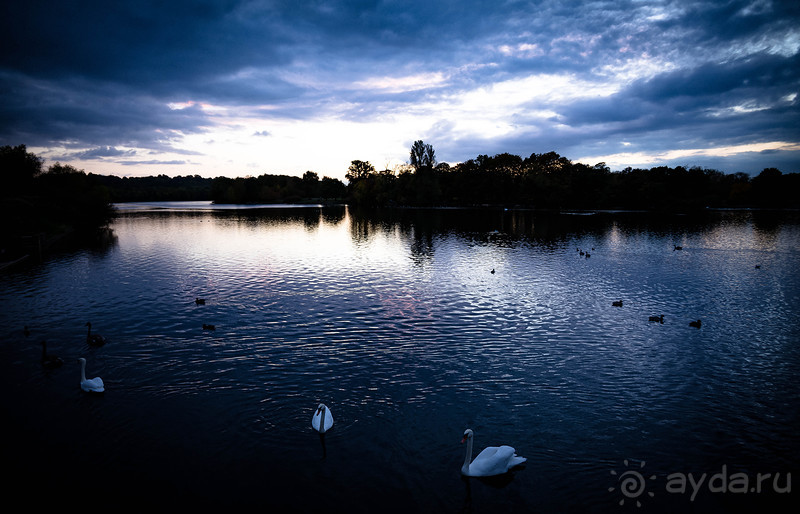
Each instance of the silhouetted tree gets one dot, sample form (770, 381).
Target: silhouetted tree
(18, 169)
(359, 170)
(422, 155)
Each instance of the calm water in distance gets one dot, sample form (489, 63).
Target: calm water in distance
(396, 321)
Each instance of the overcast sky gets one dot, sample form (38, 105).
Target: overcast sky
(228, 87)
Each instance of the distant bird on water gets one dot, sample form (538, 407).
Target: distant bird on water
(92, 385)
(618, 303)
(695, 324)
(50, 361)
(209, 327)
(657, 319)
(678, 248)
(94, 339)
(492, 272)
(199, 301)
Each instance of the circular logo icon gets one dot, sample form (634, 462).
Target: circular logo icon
(632, 484)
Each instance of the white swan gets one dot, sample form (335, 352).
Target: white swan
(94, 385)
(322, 420)
(493, 460)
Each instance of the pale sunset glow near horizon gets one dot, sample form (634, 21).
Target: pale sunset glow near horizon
(237, 88)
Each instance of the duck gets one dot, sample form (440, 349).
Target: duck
(50, 361)
(493, 460)
(200, 301)
(209, 327)
(617, 303)
(93, 385)
(94, 339)
(695, 324)
(677, 248)
(657, 319)
(492, 272)
(322, 420)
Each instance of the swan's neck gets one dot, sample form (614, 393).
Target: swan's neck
(83, 371)
(88, 330)
(467, 457)
(322, 420)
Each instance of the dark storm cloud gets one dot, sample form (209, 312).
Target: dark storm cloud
(98, 75)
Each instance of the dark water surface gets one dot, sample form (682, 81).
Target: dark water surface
(395, 321)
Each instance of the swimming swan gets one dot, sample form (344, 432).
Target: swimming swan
(50, 361)
(493, 460)
(322, 420)
(94, 385)
(94, 339)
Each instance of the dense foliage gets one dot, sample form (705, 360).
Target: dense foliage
(277, 189)
(38, 204)
(155, 188)
(551, 181)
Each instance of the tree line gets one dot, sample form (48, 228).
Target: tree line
(545, 181)
(54, 200)
(553, 182)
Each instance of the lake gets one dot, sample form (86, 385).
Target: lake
(411, 326)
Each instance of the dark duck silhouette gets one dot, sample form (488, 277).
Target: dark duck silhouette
(618, 303)
(50, 361)
(200, 301)
(657, 319)
(209, 327)
(695, 324)
(94, 339)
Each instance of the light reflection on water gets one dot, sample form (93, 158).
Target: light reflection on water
(398, 324)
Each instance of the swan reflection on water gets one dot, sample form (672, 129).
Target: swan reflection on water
(322, 421)
(322, 442)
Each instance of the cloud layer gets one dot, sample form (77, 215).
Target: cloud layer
(232, 87)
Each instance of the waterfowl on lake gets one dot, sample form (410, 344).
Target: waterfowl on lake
(658, 319)
(209, 327)
(322, 420)
(93, 385)
(492, 272)
(94, 339)
(50, 361)
(493, 460)
(678, 248)
(758, 266)
(695, 324)
(200, 301)
(617, 303)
